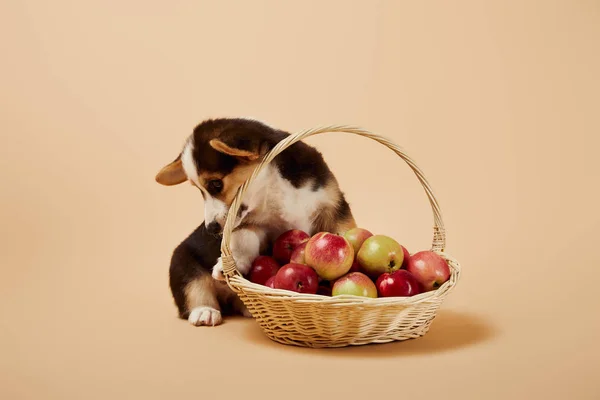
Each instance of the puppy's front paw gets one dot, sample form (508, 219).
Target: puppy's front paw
(217, 271)
(243, 264)
(207, 316)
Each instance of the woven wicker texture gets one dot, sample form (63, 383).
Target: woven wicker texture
(320, 321)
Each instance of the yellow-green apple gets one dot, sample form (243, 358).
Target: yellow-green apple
(379, 254)
(430, 269)
(331, 255)
(286, 243)
(356, 237)
(297, 278)
(397, 283)
(298, 254)
(354, 283)
(263, 267)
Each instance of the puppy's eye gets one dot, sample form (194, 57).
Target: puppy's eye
(215, 186)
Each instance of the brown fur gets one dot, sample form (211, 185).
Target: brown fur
(202, 291)
(328, 218)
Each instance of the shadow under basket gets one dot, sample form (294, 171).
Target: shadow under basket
(321, 321)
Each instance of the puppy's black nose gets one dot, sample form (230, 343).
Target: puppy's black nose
(213, 228)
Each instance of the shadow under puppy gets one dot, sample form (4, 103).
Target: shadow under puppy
(297, 190)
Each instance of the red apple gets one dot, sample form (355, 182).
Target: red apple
(324, 290)
(356, 237)
(263, 268)
(329, 254)
(354, 283)
(398, 283)
(297, 278)
(379, 254)
(406, 256)
(270, 282)
(430, 269)
(286, 243)
(298, 254)
(355, 266)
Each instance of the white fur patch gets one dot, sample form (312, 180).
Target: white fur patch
(214, 210)
(187, 161)
(277, 203)
(217, 271)
(298, 205)
(207, 316)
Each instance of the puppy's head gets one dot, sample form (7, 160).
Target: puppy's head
(217, 158)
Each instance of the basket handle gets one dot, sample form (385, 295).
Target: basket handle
(439, 235)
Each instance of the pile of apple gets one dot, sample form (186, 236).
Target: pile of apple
(355, 263)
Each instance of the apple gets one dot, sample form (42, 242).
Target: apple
(354, 283)
(398, 283)
(324, 290)
(298, 254)
(379, 254)
(297, 278)
(355, 266)
(406, 256)
(286, 243)
(356, 237)
(270, 282)
(263, 267)
(331, 255)
(430, 269)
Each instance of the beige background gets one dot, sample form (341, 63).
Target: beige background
(497, 101)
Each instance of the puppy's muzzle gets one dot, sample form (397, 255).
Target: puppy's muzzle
(214, 228)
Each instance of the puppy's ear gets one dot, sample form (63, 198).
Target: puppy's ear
(172, 174)
(224, 148)
(242, 147)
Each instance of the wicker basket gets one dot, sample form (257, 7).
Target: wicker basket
(319, 321)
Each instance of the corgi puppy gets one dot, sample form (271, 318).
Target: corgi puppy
(296, 190)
